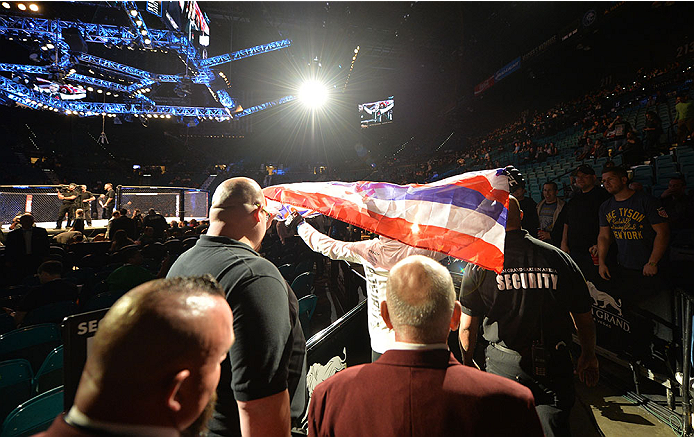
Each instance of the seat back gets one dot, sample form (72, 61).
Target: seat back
(32, 343)
(6, 323)
(15, 385)
(52, 313)
(307, 305)
(102, 300)
(50, 374)
(34, 415)
(304, 266)
(287, 271)
(303, 284)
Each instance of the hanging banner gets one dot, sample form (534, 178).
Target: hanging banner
(507, 69)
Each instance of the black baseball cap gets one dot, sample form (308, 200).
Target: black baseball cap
(585, 169)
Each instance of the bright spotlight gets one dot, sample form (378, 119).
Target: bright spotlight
(22, 6)
(313, 94)
(5, 5)
(33, 7)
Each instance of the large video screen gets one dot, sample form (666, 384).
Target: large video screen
(375, 113)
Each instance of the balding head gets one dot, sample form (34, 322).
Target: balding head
(157, 354)
(515, 215)
(26, 220)
(237, 211)
(420, 301)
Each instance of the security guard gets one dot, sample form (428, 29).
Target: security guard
(67, 195)
(527, 312)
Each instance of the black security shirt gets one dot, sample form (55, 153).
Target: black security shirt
(268, 355)
(538, 286)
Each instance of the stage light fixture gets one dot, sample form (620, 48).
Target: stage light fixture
(138, 22)
(5, 5)
(143, 32)
(21, 6)
(133, 12)
(34, 7)
(90, 89)
(313, 94)
(148, 41)
(51, 47)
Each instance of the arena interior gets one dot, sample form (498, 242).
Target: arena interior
(120, 119)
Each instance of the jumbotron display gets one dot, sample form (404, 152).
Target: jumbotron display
(376, 113)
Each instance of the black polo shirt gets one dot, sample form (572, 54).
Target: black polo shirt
(582, 216)
(269, 353)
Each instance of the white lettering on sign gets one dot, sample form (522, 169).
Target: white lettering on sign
(87, 327)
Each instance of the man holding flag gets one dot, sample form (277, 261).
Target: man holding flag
(377, 256)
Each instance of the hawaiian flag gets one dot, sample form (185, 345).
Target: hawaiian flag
(463, 216)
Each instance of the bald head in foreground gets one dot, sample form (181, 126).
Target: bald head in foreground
(154, 363)
(418, 388)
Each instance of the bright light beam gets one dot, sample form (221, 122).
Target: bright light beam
(313, 94)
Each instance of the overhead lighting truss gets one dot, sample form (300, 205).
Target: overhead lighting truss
(23, 28)
(146, 106)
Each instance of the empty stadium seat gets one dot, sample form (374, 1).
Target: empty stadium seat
(16, 379)
(307, 305)
(32, 343)
(102, 300)
(303, 284)
(50, 374)
(34, 415)
(287, 271)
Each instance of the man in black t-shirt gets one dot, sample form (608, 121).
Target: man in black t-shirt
(637, 223)
(108, 202)
(581, 225)
(262, 386)
(528, 311)
(67, 195)
(85, 199)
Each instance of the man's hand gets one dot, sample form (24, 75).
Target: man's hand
(604, 272)
(293, 222)
(593, 250)
(587, 369)
(544, 235)
(650, 269)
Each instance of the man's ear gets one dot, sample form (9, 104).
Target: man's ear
(173, 394)
(257, 212)
(386, 315)
(455, 318)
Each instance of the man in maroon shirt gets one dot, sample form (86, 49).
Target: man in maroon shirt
(418, 388)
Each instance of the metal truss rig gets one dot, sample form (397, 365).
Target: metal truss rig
(24, 27)
(36, 100)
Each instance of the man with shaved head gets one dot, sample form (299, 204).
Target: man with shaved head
(154, 363)
(263, 384)
(528, 312)
(418, 388)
